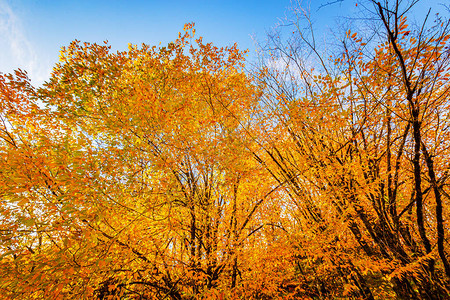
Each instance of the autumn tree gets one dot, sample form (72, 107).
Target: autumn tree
(359, 138)
(127, 176)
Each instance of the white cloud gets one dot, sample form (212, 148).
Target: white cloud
(293, 69)
(17, 50)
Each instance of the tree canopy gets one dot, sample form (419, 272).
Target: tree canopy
(175, 173)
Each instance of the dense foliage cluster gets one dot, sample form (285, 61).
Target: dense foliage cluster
(171, 173)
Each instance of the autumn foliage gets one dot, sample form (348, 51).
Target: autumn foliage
(172, 173)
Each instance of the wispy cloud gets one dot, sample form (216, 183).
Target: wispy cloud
(17, 50)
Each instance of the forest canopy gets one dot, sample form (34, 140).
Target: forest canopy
(180, 172)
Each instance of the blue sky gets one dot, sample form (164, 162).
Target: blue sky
(32, 31)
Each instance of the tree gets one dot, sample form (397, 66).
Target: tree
(362, 142)
(141, 187)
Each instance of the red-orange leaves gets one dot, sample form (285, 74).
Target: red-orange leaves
(138, 179)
